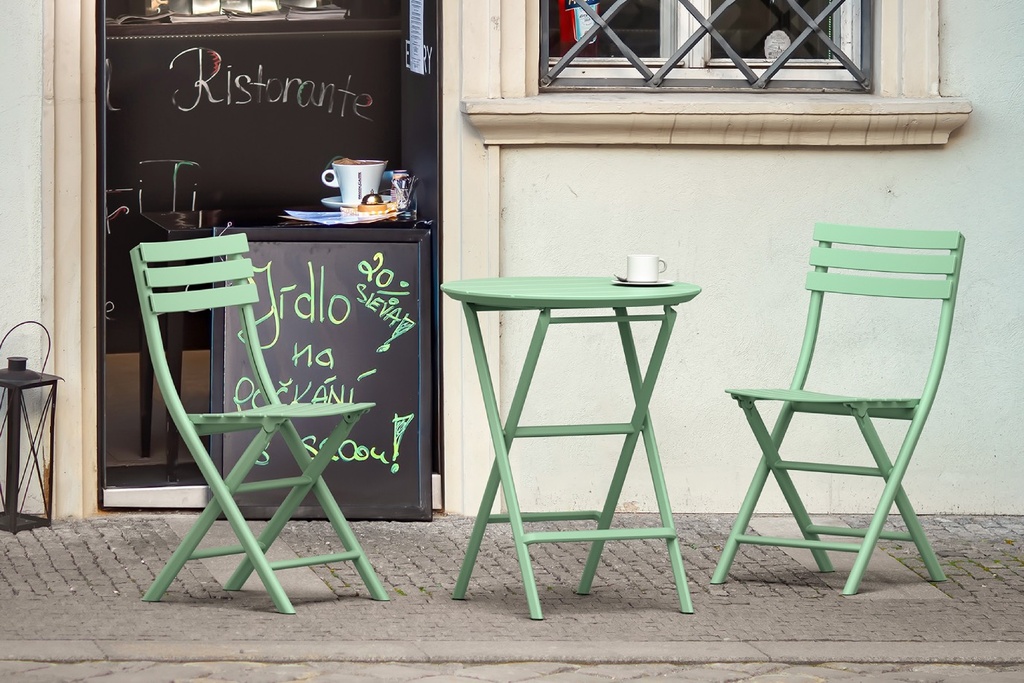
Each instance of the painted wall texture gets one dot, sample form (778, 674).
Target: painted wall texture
(738, 222)
(21, 109)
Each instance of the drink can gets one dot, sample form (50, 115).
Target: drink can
(576, 22)
(401, 189)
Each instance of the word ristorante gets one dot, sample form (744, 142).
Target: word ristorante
(217, 84)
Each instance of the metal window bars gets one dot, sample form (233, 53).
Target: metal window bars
(846, 68)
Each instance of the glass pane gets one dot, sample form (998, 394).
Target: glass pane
(637, 24)
(756, 28)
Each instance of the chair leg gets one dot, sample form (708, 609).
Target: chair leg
(739, 527)
(183, 552)
(914, 527)
(769, 444)
(222, 503)
(348, 538)
(254, 552)
(338, 520)
(281, 516)
(893, 493)
(223, 492)
(313, 469)
(931, 562)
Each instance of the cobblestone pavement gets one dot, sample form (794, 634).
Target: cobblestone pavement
(70, 609)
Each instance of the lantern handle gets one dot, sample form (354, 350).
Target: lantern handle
(48, 342)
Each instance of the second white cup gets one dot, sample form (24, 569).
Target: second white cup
(644, 268)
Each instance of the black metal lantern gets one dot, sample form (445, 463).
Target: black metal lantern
(27, 407)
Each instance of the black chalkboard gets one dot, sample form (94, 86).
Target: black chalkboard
(199, 117)
(344, 320)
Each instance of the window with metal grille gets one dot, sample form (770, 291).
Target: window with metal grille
(759, 45)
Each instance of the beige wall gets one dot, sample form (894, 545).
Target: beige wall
(21, 259)
(736, 219)
(21, 149)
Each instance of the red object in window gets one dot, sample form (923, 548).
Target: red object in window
(574, 22)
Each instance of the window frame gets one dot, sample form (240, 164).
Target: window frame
(698, 70)
(501, 99)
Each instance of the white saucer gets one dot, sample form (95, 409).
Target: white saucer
(336, 203)
(659, 283)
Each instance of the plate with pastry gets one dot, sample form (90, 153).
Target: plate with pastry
(373, 205)
(336, 203)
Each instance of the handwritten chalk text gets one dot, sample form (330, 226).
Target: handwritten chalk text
(216, 84)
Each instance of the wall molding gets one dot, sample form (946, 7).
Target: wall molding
(710, 119)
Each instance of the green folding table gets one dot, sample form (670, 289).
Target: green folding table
(550, 295)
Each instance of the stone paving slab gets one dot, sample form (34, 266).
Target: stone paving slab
(548, 672)
(886, 578)
(300, 583)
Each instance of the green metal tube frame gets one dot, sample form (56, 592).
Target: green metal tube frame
(502, 437)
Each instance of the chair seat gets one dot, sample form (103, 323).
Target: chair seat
(815, 397)
(280, 411)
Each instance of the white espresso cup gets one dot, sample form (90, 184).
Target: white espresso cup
(644, 268)
(354, 178)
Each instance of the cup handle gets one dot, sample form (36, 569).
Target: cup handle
(329, 178)
(662, 266)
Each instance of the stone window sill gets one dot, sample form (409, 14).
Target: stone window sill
(716, 119)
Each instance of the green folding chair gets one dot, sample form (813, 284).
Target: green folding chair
(187, 275)
(872, 262)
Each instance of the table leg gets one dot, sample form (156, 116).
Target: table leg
(665, 510)
(483, 517)
(501, 471)
(643, 388)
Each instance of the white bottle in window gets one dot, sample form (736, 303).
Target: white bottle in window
(775, 44)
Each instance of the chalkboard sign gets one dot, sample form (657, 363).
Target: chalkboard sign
(343, 321)
(200, 118)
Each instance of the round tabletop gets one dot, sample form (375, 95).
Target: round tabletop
(566, 292)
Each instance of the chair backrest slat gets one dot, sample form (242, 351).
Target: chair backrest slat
(879, 253)
(199, 273)
(842, 283)
(885, 237)
(198, 299)
(918, 264)
(188, 275)
(194, 249)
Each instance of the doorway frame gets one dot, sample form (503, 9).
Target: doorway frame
(69, 220)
